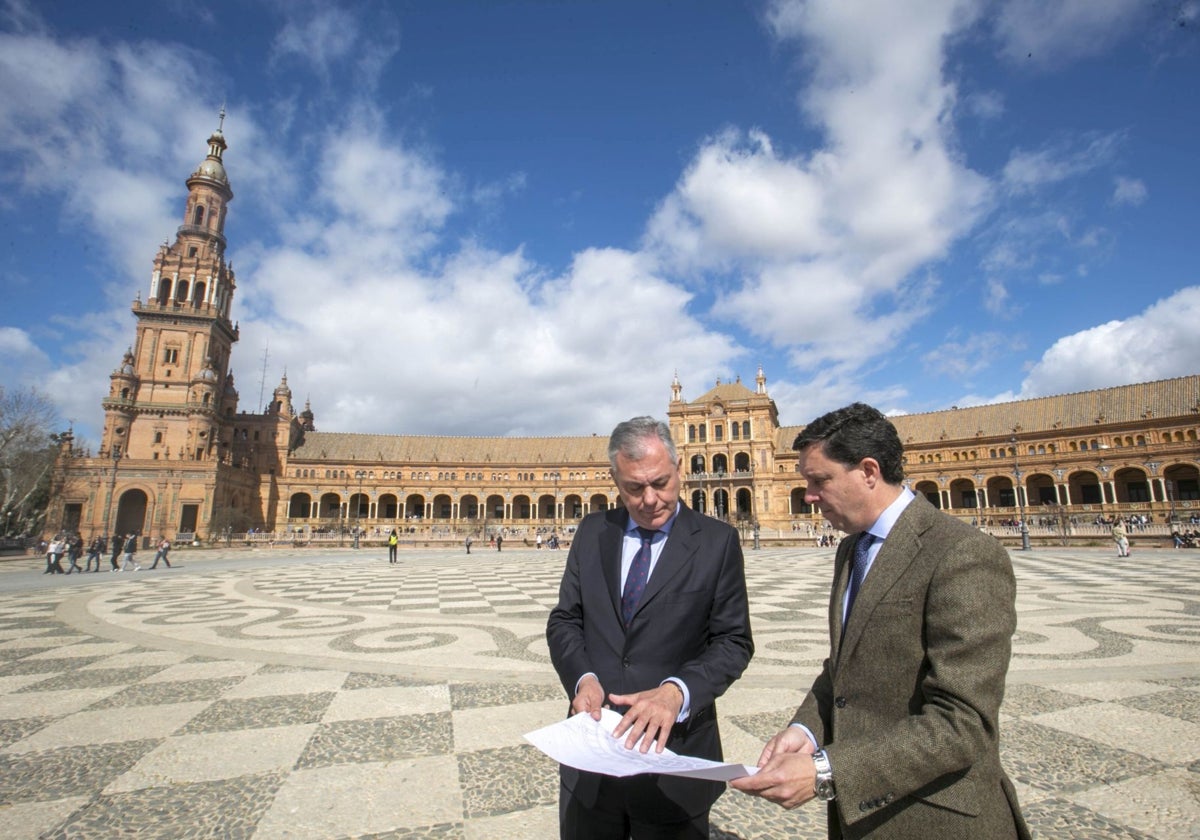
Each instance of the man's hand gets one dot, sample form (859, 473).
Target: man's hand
(589, 698)
(650, 717)
(790, 740)
(787, 775)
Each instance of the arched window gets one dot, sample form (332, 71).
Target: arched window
(198, 215)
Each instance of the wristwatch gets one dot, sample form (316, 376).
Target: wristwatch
(824, 783)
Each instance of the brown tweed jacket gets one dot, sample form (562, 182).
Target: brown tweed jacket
(907, 705)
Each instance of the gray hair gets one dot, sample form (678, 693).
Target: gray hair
(629, 439)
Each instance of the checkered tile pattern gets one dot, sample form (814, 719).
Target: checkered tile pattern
(342, 697)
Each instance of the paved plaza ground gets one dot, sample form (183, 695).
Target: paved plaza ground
(328, 694)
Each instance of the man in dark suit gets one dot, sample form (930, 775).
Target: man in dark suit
(655, 625)
(900, 732)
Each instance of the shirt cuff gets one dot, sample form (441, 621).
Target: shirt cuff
(808, 732)
(685, 710)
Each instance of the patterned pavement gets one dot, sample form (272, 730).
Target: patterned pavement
(281, 694)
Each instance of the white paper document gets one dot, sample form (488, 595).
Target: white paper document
(587, 744)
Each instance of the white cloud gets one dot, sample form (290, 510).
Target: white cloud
(1129, 191)
(1055, 33)
(965, 357)
(1161, 342)
(828, 244)
(1059, 161)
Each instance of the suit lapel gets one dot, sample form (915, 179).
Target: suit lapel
(680, 546)
(895, 556)
(610, 557)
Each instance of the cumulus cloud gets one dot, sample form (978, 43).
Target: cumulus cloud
(827, 243)
(1161, 342)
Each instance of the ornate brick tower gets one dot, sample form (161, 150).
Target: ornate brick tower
(171, 390)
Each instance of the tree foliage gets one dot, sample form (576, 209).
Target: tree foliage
(27, 453)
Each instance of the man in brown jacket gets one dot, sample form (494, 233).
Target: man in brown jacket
(899, 734)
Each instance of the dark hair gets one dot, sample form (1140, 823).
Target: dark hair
(629, 439)
(857, 431)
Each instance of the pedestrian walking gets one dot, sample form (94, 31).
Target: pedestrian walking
(467, 543)
(54, 553)
(118, 543)
(95, 550)
(393, 544)
(74, 549)
(164, 547)
(130, 550)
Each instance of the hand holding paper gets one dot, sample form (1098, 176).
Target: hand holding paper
(587, 744)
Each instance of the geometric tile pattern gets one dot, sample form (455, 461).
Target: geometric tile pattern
(334, 695)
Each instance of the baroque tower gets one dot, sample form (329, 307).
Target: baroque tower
(172, 388)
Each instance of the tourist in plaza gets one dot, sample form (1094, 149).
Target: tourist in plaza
(54, 552)
(164, 548)
(679, 640)
(96, 550)
(74, 546)
(118, 542)
(393, 544)
(499, 542)
(130, 550)
(1121, 537)
(899, 734)
(467, 543)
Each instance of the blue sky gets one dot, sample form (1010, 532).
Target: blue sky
(525, 217)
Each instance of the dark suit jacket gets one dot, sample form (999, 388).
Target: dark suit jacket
(693, 622)
(908, 703)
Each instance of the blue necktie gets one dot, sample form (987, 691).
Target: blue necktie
(639, 573)
(858, 571)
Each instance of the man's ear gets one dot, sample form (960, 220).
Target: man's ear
(871, 471)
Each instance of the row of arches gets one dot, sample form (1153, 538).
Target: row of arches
(1126, 485)
(442, 506)
(718, 464)
(698, 433)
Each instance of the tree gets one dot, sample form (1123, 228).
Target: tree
(27, 454)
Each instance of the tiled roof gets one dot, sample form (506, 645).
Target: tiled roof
(1078, 412)
(411, 449)
(725, 392)
(1064, 414)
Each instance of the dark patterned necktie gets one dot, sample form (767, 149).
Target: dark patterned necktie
(639, 573)
(858, 571)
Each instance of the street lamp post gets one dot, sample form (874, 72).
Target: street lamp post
(360, 475)
(1020, 501)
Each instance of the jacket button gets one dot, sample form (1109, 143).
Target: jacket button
(863, 806)
(840, 702)
(625, 661)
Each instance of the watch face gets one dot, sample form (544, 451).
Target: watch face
(825, 790)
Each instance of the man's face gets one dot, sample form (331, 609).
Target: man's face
(840, 492)
(648, 487)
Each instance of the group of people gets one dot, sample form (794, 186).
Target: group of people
(898, 734)
(121, 559)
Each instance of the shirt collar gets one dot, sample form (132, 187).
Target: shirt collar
(631, 526)
(887, 519)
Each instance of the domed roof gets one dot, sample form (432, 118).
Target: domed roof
(126, 367)
(213, 169)
(206, 373)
